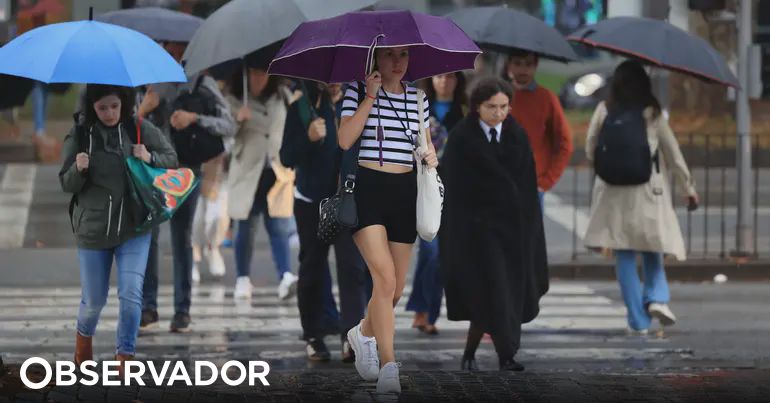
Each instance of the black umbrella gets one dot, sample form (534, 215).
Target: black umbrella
(502, 29)
(158, 23)
(249, 32)
(241, 27)
(658, 43)
(14, 90)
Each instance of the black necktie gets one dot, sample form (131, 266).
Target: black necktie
(493, 136)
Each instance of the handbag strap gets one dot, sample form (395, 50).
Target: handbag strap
(422, 137)
(139, 130)
(350, 167)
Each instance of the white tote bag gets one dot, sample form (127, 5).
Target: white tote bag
(430, 190)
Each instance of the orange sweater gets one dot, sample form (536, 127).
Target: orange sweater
(541, 115)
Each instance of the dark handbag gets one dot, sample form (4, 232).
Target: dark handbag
(339, 212)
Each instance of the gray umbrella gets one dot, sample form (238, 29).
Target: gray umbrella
(158, 23)
(503, 29)
(241, 27)
(658, 43)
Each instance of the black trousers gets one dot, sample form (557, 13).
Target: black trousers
(353, 276)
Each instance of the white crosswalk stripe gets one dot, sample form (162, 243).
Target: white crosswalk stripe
(15, 198)
(574, 324)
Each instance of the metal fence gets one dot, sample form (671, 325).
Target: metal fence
(709, 232)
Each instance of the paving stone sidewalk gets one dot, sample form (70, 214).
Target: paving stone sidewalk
(434, 386)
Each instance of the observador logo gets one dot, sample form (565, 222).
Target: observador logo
(169, 373)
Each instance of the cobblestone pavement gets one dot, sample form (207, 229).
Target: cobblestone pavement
(439, 386)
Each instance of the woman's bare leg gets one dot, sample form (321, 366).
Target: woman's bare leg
(402, 254)
(379, 322)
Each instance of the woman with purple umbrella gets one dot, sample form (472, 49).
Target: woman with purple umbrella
(383, 114)
(386, 190)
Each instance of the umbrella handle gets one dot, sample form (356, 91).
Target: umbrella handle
(370, 55)
(245, 83)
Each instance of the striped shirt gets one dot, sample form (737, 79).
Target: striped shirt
(395, 117)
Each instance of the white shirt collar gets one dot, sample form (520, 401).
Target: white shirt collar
(486, 129)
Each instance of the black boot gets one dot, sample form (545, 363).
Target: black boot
(469, 364)
(510, 365)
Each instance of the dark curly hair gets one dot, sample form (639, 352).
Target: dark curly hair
(95, 92)
(487, 88)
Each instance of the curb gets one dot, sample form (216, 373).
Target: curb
(693, 271)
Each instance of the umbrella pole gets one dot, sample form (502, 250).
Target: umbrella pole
(245, 83)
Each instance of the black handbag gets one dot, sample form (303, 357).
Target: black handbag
(339, 212)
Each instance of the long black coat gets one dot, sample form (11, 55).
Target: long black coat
(493, 255)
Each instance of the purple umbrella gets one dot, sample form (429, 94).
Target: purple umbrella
(340, 49)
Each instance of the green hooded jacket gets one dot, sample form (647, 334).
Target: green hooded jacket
(99, 211)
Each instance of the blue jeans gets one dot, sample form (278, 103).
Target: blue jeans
(427, 287)
(278, 230)
(39, 104)
(95, 268)
(636, 298)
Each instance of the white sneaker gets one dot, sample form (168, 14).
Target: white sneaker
(662, 312)
(288, 286)
(196, 273)
(365, 350)
(216, 263)
(388, 381)
(242, 288)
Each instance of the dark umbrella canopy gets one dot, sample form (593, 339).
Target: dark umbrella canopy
(241, 27)
(659, 43)
(340, 49)
(160, 24)
(14, 90)
(503, 29)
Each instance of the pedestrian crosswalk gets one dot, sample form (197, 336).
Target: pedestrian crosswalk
(16, 188)
(575, 324)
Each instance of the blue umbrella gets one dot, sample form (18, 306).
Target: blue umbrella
(158, 23)
(89, 52)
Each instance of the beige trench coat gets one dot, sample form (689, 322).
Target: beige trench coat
(256, 139)
(639, 218)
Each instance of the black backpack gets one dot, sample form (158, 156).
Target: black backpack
(622, 156)
(195, 144)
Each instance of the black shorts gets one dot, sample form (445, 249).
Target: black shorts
(389, 200)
